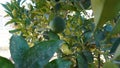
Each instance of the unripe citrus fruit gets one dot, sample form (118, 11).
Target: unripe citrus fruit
(57, 25)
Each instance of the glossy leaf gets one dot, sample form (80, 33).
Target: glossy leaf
(5, 63)
(59, 63)
(101, 11)
(40, 54)
(18, 45)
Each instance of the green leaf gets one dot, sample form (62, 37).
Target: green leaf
(27, 21)
(18, 45)
(99, 36)
(6, 6)
(81, 62)
(115, 45)
(88, 55)
(14, 31)
(116, 29)
(110, 65)
(86, 3)
(40, 54)
(13, 21)
(50, 35)
(104, 10)
(5, 63)
(117, 53)
(21, 1)
(59, 63)
(9, 13)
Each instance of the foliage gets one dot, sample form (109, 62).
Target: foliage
(83, 42)
(5, 63)
(36, 56)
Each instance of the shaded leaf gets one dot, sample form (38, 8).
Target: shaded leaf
(59, 63)
(81, 62)
(99, 36)
(116, 29)
(50, 35)
(110, 65)
(27, 21)
(57, 7)
(5, 63)
(117, 53)
(103, 14)
(115, 45)
(40, 54)
(88, 55)
(18, 45)
(86, 3)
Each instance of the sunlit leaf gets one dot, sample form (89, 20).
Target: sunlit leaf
(65, 49)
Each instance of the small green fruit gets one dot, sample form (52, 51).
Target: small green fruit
(57, 25)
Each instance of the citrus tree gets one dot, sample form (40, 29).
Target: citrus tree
(43, 28)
